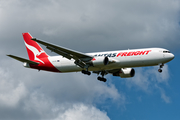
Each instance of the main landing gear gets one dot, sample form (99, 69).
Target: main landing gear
(102, 78)
(160, 69)
(99, 78)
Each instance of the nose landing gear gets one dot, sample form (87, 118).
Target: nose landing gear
(160, 69)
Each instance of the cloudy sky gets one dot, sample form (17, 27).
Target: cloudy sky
(89, 26)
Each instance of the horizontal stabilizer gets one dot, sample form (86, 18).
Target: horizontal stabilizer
(23, 60)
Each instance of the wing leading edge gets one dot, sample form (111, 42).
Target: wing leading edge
(65, 52)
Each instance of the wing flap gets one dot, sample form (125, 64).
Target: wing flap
(23, 60)
(65, 52)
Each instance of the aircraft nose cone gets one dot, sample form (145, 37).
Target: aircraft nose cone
(170, 56)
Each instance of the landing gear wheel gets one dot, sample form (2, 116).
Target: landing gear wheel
(86, 72)
(99, 78)
(83, 71)
(160, 70)
(102, 79)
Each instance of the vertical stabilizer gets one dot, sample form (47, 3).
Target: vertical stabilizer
(35, 52)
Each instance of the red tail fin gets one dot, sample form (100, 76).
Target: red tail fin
(35, 52)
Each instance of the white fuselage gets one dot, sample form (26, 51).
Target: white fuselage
(122, 59)
(118, 63)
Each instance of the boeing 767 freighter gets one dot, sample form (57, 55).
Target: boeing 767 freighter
(118, 63)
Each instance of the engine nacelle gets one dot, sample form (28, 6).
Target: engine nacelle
(125, 73)
(100, 61)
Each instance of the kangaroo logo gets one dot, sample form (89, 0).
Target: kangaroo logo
(35, 52)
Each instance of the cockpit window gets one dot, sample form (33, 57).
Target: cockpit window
(166, 52)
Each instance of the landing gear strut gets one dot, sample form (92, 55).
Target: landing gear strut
(102, 78)
(161, 66)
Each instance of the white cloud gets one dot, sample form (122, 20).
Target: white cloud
(10, 93)
(164, 97)
(145, 78)
(82, 112)
(140, 81)
(41, 97)
(160, 77)
(148, 79)
(47, 108)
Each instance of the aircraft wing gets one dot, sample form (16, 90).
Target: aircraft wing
(65, 52)
(23, 60)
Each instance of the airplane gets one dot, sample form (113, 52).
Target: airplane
(118, 63)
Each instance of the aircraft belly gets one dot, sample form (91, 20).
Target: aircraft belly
(75, 68)
(69, 68)
(66, 66)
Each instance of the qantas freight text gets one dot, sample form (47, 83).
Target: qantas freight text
(117, 63)
(134, 53)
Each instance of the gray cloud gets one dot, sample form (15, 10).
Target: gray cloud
(98, 24)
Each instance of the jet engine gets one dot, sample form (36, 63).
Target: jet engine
(125, 73)
(100, 61)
